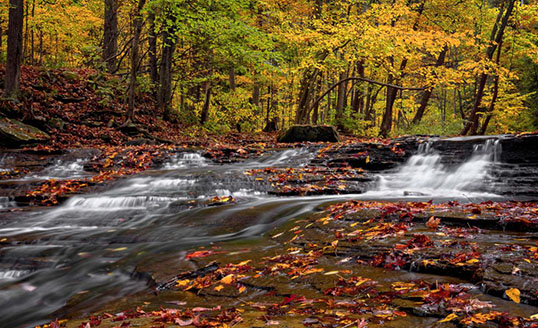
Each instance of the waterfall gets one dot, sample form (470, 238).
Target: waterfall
(425, 174)
(186, 160)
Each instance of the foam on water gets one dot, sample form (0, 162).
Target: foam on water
(62, 170)
(12, 274)
(296, 157)
(239, 193)
(109, 203)
(5, 203)
(184, 160)
(425, 174)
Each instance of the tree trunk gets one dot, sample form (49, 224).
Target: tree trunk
(256, 94)
(154, 72)
(26, 34)
(428, 93)
(1, 34)
(386, 123)
(358, 102)
(494, 96)
(496, 38)
(32, 36)
(138, 24)
(231, 78)
(110, 35)
(207, 100)
(392, 92)
(340, 103)
(14, 48)
(164, 95)
(305, 95)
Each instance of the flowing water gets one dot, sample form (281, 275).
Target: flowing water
(92, 243)
(424, 174)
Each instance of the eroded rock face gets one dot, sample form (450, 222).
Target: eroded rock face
(15, 133)
(302, 133)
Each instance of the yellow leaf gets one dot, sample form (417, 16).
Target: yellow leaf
(472, 261)
(360, 282)
(118, 249)
(278, 235)
(367, 159)
(534, 316)
(219, 288)
(514, 294)
(242, 289)
(244, 263)
(182, 283)
(330, 273)
(228, 279)
(449, 317)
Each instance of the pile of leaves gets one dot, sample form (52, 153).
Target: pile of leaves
(312, 180)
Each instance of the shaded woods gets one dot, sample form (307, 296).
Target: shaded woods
(369, 67)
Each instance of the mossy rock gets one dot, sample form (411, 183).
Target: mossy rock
(15, 133)
(312, 133)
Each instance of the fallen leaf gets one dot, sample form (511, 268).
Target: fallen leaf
(330, 273)
(514, 294)
(182, 283)
(183, 323)
(228, 279)
(449, 317)
(433, 223)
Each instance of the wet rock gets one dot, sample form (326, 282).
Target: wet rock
(302, 133)
(15, 133)
(500, 276)
(367, 156)
(140, 142)
(56, 123)
(131, 129)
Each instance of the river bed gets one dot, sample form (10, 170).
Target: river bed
(93, 247)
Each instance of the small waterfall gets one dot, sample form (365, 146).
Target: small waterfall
(3, 163)
(184, 160)
(61, 170)
(296, 157)
(492, 148)
(12, 274)
(68, 170)
(425, 174)
(5, 203)
(106, 203)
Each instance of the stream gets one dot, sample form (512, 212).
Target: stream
(91, 244)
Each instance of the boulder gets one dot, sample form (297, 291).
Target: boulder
(15, 133)
(312, 133)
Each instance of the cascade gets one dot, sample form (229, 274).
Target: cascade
(424, 172)
(186, 160)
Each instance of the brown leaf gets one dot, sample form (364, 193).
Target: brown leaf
(433, 223)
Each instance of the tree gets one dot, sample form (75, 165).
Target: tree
(14, 48)
(138, 24)
(496, 39)
(110, 35)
